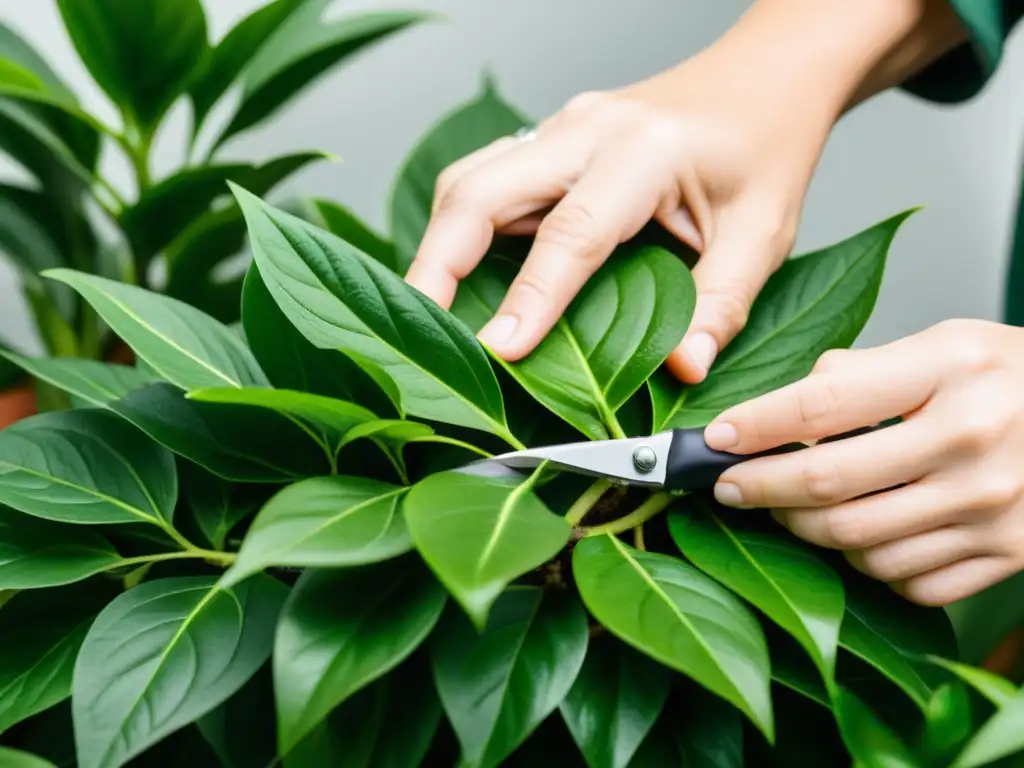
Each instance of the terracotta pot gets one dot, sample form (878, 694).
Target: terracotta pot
(17, 404)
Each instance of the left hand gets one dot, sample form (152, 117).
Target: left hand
(933, 505)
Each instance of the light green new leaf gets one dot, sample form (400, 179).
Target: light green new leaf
(140, 52)
(38, 553)
(813, 303)
(162, 655)
(679, 617)
(86, 466)
(98, 384)
(869, 740)
(387, 725)
(469, 128)
(478, 534)
(773, 571)
(996, 689)
(498, 685)
(42, 632)
(340, 298)
(614, 702)
(896, 637)
(15, 758)
(341, 221)
(378, 616)
(1000, 736)
(185, 346)
(325, 522)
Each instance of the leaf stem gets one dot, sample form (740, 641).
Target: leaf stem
(638, 538)
(655, 504)
(222, 558)
(586, 501)
(456, 442)
(180, 540)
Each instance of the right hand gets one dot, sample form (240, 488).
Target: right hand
(716, 155)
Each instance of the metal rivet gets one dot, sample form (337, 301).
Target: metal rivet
(645, 459)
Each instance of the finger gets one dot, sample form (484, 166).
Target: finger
(498, 191)
(873, 520)
(463, 165)
(957, 581)
(830, 473)
(847, 390)
(902, 559)
(610, 203)
(728, 276)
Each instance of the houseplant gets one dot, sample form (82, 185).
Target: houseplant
(249, 547)
(165, 232)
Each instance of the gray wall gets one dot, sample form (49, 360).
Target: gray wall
(893, 153)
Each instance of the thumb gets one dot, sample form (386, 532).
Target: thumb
(728, 276)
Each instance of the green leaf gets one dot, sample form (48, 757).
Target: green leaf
(470, 127)
(679, 617)
(185, 346)
(775, 572)
(37, 553)
(615, 334)
(796, 670)
(140, 52)
(292, 362)
(339, 220)
(869, 740)
(390, 724)
(378, 615)
(813, 303)
(998, 690)
(896, 637)
(948, 723)
(42, 632)
(614, 702)
(498, 685)
(339, 298)
(35, 143)
(98, 384)
(217, 505)
(162, 655)
(1000, 736)
(239, 443)
(301, 50)
(14, 758)
(243, 730)
(224, 63)
(478, 534)
(325, 522)
(86, 466)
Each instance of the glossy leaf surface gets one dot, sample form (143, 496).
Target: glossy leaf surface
(479, 534)
(869, 739)
(16, 758)
(216, 505)
(345, 224)
(679, 617)
(999, 737)
(92, 382)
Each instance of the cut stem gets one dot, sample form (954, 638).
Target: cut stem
(649, 509)
(586, 501)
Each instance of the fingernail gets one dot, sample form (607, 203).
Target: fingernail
(499, 330)
(721, 435)
(702, 349)
(728, 494)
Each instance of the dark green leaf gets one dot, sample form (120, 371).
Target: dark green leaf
(948, 723)
(339, 220)
(614, 702)
(243, 730)
(387, 725)
(225, 62)
(795, 669)
(339, 298)
(42, 632)
(14, 758)
(292, 362)
(478, 534)
(1000, 736)
(217, 505)
(86, 466)
(301, 50)
(237, 443)
(92, 382)
(343, 629)
(140, 52)
(680, 617)
(25, 136)
(499, 685)
(984, 620)
(182, 344)
(471, 127)
(325, 521)
(996, 689)
(38, 553)
(772, 570)
(813, 303)
(869, 740)
(162, 655)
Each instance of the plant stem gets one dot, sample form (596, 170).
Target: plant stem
(586, 501)
(180, 540)
(223, 558)
(457, 443)
(649, 509)
(638, 538)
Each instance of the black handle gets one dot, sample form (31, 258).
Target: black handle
(692, 466)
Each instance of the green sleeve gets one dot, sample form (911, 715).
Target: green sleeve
(964, 71)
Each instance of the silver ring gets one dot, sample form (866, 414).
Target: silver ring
(525, 134)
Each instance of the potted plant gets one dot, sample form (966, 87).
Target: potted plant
(167, 232)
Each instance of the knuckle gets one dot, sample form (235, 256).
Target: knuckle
(969, 349)
(733, 305)
(531, 282)
(655, 128)
(927, 592)
(585, 102)
(458, 195)
(845, 531)
(817, 405)
(977, 428)
(831, 360)
(998, 490)
(881, 565)
(573, 228)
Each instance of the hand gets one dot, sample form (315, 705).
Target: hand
(715, 156)
(933, 505)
